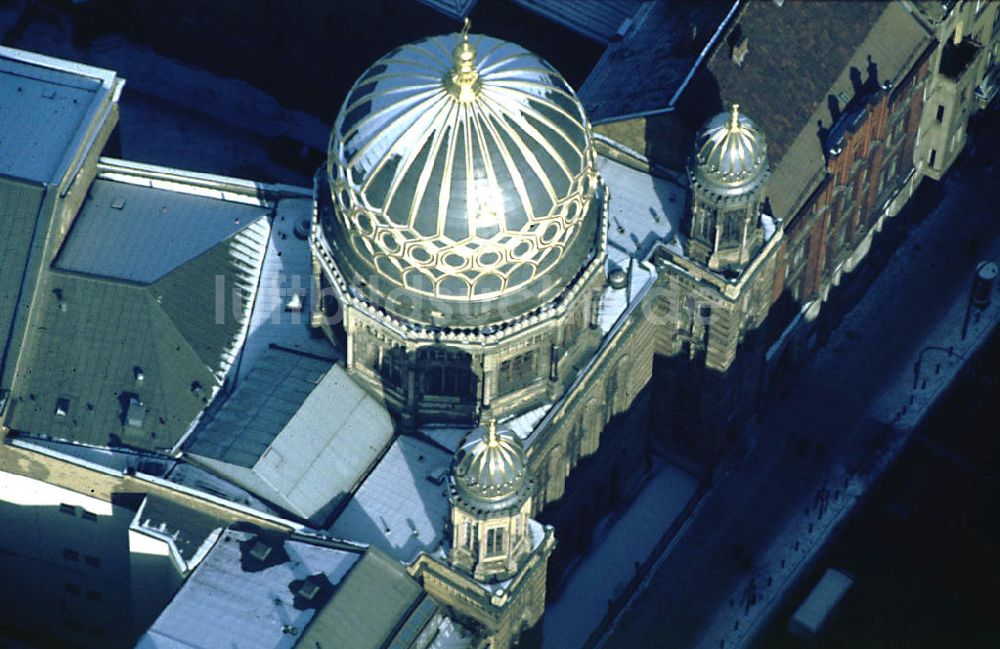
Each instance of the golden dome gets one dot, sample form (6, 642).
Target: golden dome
(730, 153)
(462, 172)
(491, 470)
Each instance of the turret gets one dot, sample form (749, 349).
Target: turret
(491, 492)
(727, 173)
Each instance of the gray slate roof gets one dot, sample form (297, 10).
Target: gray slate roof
(139, 234)
(375, 604)
(46, 107)
(19, 206)
(643, 71)
(600, 20)
(91, 339)
(297, 432)
(188, 527)
(451, 8)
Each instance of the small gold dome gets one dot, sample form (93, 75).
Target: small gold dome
(730, 152)
(491, 471)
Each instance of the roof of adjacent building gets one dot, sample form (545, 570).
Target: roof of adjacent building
(796, 52)
(451, 8)
(236, 598)
(803, 60)
(375, 604)
(187, 527)
(109, 361)
(140, 234)
(645, 69)
(847, 52)
(402, 506)
(297, 432)
(47, 109)
(601, 20)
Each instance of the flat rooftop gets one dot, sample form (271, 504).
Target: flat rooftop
(402, 506)
(47, 108)
(245, 593)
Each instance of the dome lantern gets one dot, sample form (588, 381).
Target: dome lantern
(463, 82)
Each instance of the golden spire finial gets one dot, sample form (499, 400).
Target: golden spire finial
(491, 427)
(734, 117)
(463, 80)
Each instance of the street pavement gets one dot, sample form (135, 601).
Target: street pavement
(834, 417)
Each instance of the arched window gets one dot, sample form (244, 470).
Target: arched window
(592, 425)
(447, 373)
(517, 372)
(623, 390)
(556, 475)
(731, 227)
(495, 541)
(470, 531)
(390, 364)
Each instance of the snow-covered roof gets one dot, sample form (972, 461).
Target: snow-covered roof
(236, 599)
(522, 425)
(287, 270)
(645, 209)
(297, 432)
(402, 506)
(47, 107)
(448, 437)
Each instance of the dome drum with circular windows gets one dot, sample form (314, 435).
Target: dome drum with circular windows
(463, 181)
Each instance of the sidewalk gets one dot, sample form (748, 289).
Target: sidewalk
(603, 574)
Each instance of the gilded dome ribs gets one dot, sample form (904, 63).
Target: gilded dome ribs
(438, 137)
(461, 171)
(512, 172)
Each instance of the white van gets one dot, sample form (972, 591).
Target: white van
(819, 605)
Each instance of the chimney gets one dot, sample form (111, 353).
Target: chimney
(310, 588)
(741, 46)
(260, 550)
